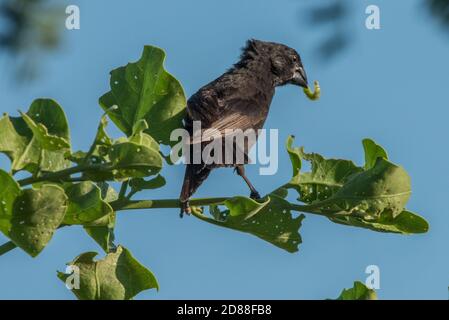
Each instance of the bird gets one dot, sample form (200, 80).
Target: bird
(238, 99)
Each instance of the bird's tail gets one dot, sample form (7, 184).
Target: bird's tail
(194, 176)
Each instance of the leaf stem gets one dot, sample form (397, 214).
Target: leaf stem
(6, 247)
(63, 174)
(123, 189)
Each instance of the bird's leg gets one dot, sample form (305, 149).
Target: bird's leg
(185, 208)
(240, 169)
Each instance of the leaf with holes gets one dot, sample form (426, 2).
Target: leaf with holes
(133, 160)
(45, 140)
(326, 177)
(373, 197)
(385, 188)
(119, 276)
(9, 191)
(270, 220)
(145, 90)
(36, 214)
(38, 140)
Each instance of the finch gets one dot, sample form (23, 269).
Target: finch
(240, 99)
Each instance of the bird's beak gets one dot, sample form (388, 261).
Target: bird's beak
(300, 78)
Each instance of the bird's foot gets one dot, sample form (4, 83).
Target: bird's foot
(185, 208)
(255, 195)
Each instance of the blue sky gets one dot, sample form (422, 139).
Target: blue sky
(389, 85)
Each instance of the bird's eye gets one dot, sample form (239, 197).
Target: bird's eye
(295, 58)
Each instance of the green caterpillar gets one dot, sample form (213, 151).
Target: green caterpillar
(313, 95)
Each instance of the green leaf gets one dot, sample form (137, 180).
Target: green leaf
(37, 141)
(243, 207)
(145, 90)
(102, 137)
(102, 230)
(373, 197)
(134, 160)
(295, 154)
(14, 140)
(372, 152)
(139, 184)
(85, 204)
(326, 177)
(100, 147)
(119, 276)
(405, 223)
(36, 214)
(141, 138)
(137, 156)
(9, 191)
(45, 140)
(383, 188)
(270, 220)
(358, 292)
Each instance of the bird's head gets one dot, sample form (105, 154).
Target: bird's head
(285, 62)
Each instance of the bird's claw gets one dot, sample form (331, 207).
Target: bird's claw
(255, 195)
(185, 208)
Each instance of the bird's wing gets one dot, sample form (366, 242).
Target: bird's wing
(204, 106)
(228, 94)
(237, 114)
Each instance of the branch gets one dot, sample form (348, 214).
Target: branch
(122, 205)
(64, 174)
(125, 204)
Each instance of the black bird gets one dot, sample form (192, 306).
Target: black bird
(239, 99)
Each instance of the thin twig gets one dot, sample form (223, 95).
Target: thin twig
(64, 174)
(6, 247)
(123, 189)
